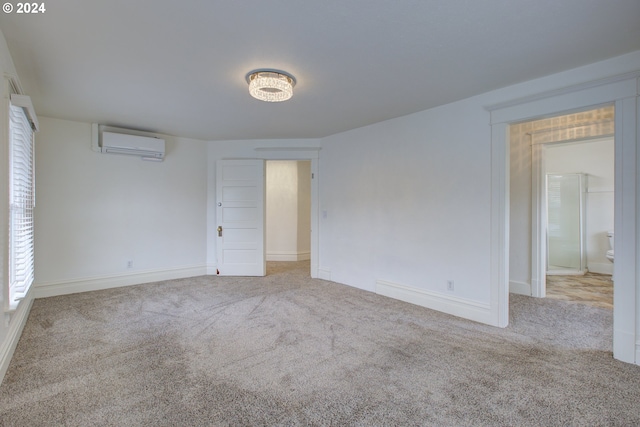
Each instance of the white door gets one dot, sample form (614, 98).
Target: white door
(240, 186)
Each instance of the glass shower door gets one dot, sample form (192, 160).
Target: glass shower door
(565, 224)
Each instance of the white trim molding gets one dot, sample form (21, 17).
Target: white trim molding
(51, 289)
(16, 321)
(288, 256)
(499, 259)
(600, 267)
(212, 269)
(460, 307)
(626, 295)
(324, 274)
(502, 111)
(520, 288)
(538, 286)
(288, 149)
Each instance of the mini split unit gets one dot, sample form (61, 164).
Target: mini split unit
(119, 141)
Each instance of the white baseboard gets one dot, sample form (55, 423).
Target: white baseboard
(288, 256)
(567, 272)
(17, 320)
(50, 289)
(212, 269)
(304, 256)
(625, 346)
(520, 288)
(324, 274)
(449, 304)
(601, 267)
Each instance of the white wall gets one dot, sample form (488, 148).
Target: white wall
(596, 159)
(304, 209)
(406, 201)
(288, 209)
(95, 212)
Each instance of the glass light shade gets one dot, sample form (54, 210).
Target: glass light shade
(270, 86)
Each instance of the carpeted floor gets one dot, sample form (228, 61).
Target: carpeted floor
(291, 351)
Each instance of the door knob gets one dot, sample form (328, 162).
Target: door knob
(219, 231)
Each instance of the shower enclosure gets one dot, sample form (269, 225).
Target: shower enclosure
(566, 197)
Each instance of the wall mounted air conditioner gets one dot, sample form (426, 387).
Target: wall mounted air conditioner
(112, 141)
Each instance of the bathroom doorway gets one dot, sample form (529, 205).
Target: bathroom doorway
(513, 250)
(570, 205)
(580, 220)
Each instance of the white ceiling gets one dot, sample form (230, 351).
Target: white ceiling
(178, 67)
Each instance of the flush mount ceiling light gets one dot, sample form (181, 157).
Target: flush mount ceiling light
(270, 85)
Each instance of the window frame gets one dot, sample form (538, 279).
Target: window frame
(22, 125)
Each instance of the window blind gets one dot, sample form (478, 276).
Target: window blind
(21, 205)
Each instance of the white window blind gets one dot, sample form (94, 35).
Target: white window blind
(21, 199)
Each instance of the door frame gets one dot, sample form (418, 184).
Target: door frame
(538, 221)
(622, 91)
(539, 211)
(280, 153)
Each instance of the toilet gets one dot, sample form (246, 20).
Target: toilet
(609, 254)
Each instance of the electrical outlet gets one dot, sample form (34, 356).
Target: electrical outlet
(450, 285)
(130, 264)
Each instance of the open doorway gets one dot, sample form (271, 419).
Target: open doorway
(288, 214)
(562, 206)
(622, 92)
(580, 232)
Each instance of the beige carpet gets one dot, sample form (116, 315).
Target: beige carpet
(291, 351)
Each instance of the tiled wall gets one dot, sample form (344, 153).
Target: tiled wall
(586, 124)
